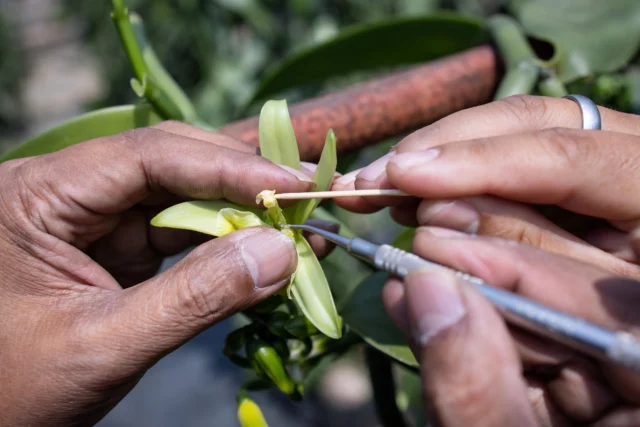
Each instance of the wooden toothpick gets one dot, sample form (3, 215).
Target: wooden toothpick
(333, 194)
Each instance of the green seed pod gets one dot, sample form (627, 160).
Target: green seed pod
(300, 327)
(265, 360)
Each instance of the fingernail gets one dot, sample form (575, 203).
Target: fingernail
(434, 303)
(300, 175)
(311, 167)
(415, 159)
(445, 233)
(456, 214)
(347, 179)
(269, 256)
(375, 170)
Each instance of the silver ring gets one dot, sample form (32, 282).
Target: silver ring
(591, 119)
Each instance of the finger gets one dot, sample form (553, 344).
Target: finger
(468, 362)
(585, 172)
(393, 298)
(406, 213)
(354, 204)
(513, 115)
(612, 241)
(624, 416)
(395, 304)
(321, 246)
(490, 216)
(458, 215)
(543, 406)
(216, 280)
(108, 176)
(374, 177)
(509, 116)
(182, 129)
(581, 392)
(561, 283)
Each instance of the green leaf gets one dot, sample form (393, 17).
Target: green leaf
(254, 13)
(277, 139)
(365, 314)
(590, 36)
(323, 177)
(215, 218)
(343, 271)
(312, 294)
(389, 43)
(99, 123)
(404, 240)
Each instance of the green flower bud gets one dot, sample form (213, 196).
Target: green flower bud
(265, 360)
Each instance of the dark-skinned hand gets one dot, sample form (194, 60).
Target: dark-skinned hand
(82, 316)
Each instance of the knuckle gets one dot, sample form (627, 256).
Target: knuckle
(171, 124)
(195, 301)
(137, 138)
(526, 109)
(568, 148)
(209, 290)
(468, 394)
(530, 236)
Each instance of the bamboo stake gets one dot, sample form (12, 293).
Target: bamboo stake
(332, 194)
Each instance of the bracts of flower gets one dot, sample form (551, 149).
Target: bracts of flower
(288, 334)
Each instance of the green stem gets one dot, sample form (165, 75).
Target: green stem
(511, 41)
(120, 16)
(521, 62)
(552, 86)
(519, 81)
(384, 388)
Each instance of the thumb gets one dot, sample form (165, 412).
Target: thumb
(471, 374)
(216, 280)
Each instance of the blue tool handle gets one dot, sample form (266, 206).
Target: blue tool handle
(617, 347)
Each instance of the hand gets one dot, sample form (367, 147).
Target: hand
(478, 372)
(493, 162)
(74, 227)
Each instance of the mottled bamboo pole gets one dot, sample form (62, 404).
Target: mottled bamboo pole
(392, 105)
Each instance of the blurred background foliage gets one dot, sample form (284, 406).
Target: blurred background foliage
(218, 50)
(12, 71)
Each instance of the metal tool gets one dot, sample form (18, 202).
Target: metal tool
(612, 346)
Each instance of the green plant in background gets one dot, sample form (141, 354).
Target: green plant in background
(218, 49)
(12, 71)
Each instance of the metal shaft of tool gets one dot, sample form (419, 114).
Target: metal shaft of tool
(617, 347)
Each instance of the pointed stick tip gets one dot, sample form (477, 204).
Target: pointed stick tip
(333, 194)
